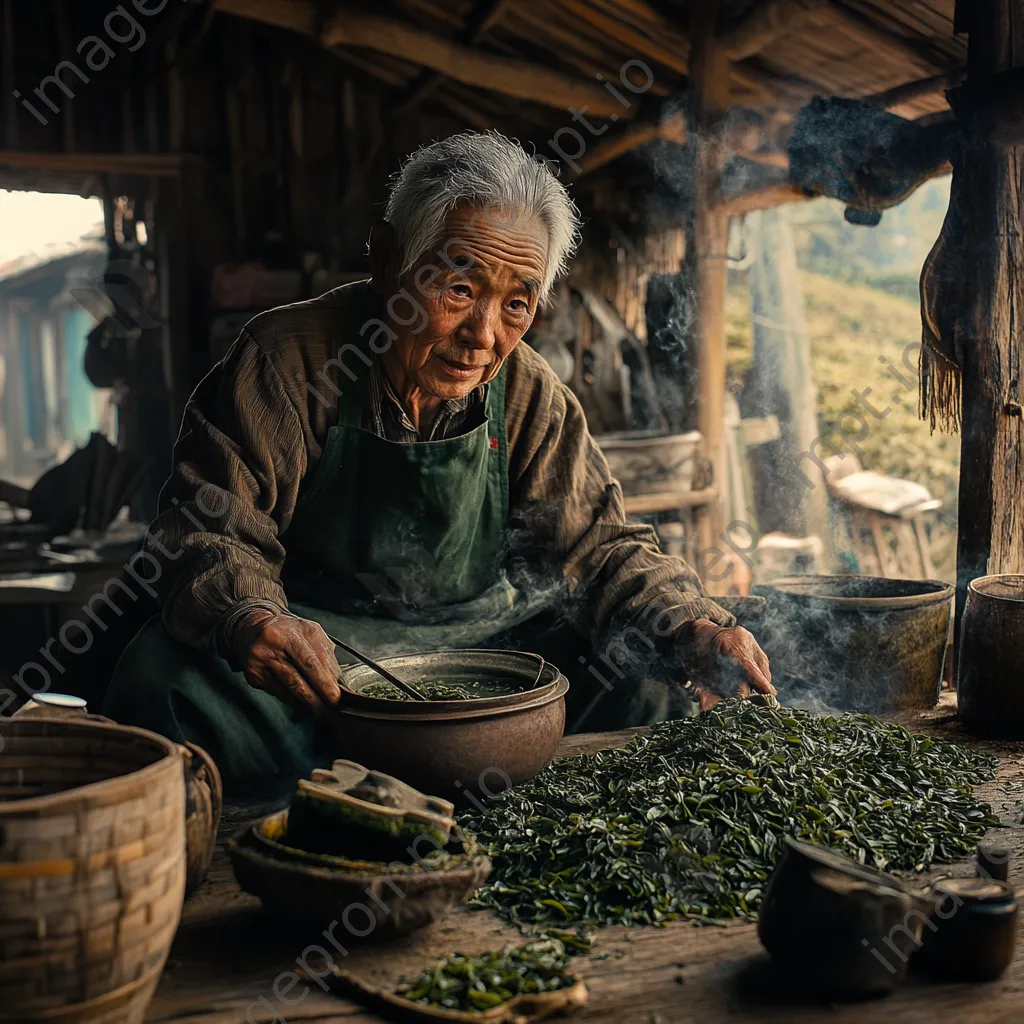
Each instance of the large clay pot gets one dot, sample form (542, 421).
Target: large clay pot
(990, 684)
(92, 868)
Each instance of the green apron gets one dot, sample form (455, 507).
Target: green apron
(399, 546)
(393, 547)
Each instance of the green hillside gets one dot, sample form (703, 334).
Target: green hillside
(850, 325)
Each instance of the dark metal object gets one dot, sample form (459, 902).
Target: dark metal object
(991, 694)
(467, 751)
(993, 862)
(862, 218)
(406, 688)
(836, 927)
(972, 931)
(858, 642)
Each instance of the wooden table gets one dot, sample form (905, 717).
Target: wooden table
(229, 955)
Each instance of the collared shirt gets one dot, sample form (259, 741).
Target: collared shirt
(255, 428)
(389, 419)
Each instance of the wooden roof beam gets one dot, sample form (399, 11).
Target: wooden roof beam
(912, 91)
(670, 129)
(294, 15)
(768, 21)
(147, 165)
(763, 198)
(462, 63)
(457, 61)
(670, 46)
(480, 21)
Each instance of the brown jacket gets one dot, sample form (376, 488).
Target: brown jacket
(256, 424)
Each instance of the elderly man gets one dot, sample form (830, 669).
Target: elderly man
(387, 461)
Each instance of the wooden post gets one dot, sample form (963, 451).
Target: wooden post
(990, 179)
(710, 85)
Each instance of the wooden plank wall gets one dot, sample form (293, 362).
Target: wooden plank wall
(286, 152)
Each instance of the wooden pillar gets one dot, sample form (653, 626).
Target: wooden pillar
(709, 83)
(990, 180)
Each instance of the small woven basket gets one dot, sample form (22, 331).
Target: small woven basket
(92, 869)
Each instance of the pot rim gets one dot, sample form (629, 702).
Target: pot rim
(548, 678)
(997, 577)
(941, 593)
(35, 804)
(444, 711)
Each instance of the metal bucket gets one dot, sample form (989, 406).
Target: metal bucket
(857, 642)
(991, 677)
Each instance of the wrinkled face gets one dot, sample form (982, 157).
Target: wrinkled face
(472, 298)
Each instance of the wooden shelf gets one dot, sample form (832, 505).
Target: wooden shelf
(668, 501)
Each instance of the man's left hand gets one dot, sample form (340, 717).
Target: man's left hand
(726, 661)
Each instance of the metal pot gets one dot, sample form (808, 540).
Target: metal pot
(991, 678)
(859, 642)
(464, 750)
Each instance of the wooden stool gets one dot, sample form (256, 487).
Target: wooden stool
(885, 520)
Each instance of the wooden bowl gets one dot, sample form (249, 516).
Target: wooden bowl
(92, 868)
(368, 899)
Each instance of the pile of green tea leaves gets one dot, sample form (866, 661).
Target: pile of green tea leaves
(686, 821)
(432, 691)
(481, 982)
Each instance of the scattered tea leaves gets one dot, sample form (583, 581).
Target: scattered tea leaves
(481, 982)
(686, 821)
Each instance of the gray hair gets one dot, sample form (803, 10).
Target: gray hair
(487, 171)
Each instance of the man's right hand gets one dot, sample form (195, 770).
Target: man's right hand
(290, 658)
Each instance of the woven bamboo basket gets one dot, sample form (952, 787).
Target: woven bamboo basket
(92, 869)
